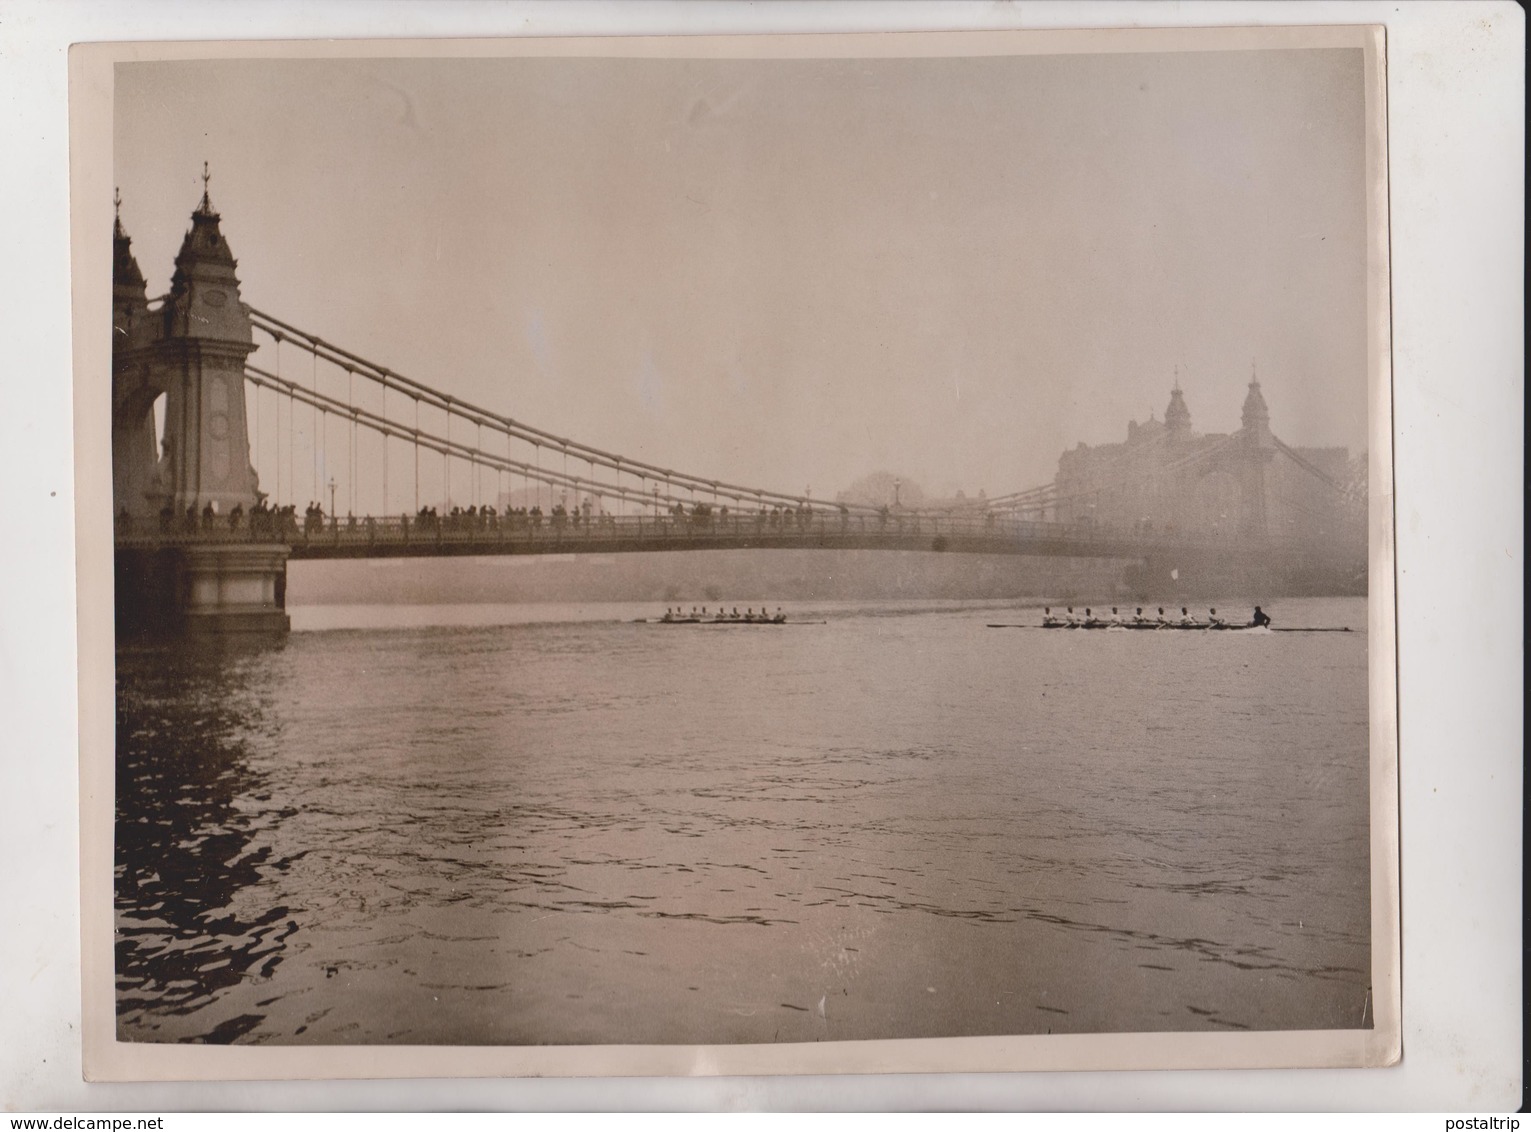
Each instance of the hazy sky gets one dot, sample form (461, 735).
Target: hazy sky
(793, 273)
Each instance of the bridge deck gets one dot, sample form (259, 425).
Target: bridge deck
(463, 536)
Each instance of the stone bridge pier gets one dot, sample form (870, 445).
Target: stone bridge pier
(219, 589)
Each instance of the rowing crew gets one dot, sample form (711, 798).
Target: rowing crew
(1070, 620)
(764, 617)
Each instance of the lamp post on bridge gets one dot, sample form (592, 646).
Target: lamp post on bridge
(332, 504)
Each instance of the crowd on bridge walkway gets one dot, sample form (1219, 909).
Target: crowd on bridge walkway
(264, 519)
(261, 518)
(490, 518)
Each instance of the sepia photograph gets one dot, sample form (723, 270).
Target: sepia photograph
(750, 542)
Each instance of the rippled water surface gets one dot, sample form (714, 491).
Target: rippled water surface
(562, 827)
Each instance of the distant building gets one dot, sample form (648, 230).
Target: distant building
(1167, 476)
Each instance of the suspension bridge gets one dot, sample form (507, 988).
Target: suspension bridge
(214, 450)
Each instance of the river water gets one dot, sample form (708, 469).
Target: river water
(547, 824)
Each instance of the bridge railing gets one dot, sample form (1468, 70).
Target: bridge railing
(495, 532)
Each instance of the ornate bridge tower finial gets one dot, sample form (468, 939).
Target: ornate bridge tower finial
(206, 207)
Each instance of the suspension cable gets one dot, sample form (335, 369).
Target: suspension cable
(423, 438)
(1323, 477)
(678, 486)
(271, 325)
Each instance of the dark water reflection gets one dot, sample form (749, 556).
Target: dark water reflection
(190, 920)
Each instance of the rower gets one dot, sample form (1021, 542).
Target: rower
(1048, 620)
(1116, 618)
(1072, 621)
(1213, 619)
(1260, 618)
(1185, 616)
(1138, 618)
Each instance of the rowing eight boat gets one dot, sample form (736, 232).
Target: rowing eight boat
(1201, 625)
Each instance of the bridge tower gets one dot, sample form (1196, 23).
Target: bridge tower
(192, 352)
(204, 338)
(1257, 447)
(1177, 417)
(136, 487)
